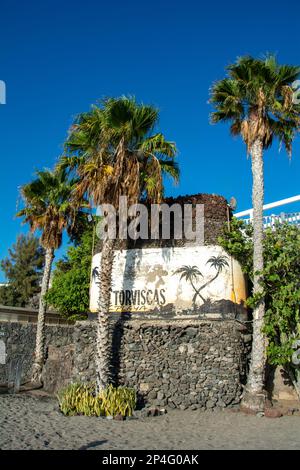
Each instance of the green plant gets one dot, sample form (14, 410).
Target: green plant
(23, 269)
(118, 400)
(69, 292)
(81, 399)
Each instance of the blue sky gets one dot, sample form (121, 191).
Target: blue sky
(59, 57)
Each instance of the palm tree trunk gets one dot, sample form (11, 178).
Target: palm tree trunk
(254, 396)
(197, 292)
(103, 343)
(207, 284)
(40, 332)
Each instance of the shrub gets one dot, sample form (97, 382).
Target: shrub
(81, 399)
(69, 293)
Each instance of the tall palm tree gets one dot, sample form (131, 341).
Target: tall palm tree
(257, 99)
(48, 208)
(115, 152)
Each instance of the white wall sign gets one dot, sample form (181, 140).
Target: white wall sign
(179, 279)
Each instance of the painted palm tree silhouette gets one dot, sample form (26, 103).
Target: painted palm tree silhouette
(191, 274)
(217, 262)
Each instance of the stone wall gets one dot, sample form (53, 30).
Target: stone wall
(18, 342)
(180, 364)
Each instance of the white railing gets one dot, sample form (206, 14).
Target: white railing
(292, 218)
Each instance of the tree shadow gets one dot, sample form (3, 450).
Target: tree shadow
(270, 375)
(225, 308)
(118, 326)
(271, 379)
(118, 320)
(92, 444)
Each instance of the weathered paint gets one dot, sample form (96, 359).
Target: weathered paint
(2, 352)
(145, 280)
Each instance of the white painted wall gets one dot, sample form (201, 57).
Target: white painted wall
(149, 276)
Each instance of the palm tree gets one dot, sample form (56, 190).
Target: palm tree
(115, 153)
(191, 274)
(257, 99)
(48, 208)
(218, 262)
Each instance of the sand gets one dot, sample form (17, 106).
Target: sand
(28, 422)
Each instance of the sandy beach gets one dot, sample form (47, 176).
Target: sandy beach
(28, 422)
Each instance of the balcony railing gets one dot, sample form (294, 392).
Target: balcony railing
(292, 218)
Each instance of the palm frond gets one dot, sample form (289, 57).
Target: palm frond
(257, 99)
(113, 152)
(49, 206)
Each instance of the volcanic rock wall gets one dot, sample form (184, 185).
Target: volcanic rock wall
(179, 364)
